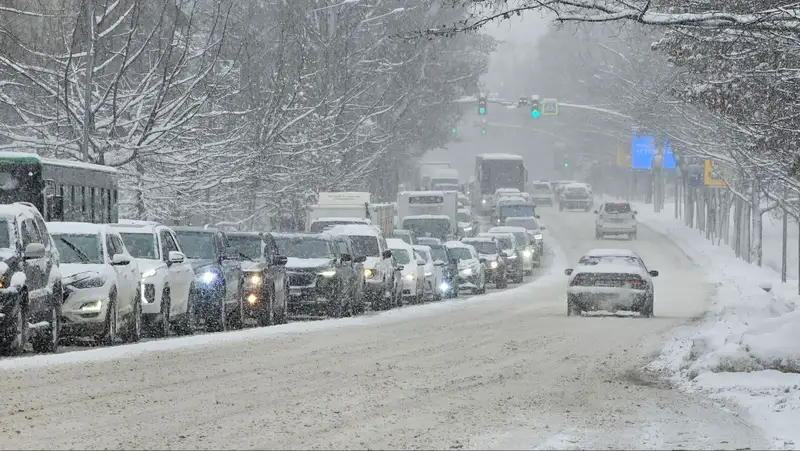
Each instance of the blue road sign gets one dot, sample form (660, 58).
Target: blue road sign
(669, 158)
(642, 151)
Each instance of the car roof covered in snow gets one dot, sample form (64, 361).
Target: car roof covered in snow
(15, 209)
(351, 219)
(397, 243)
(500, 156)
(195, 229)
(427, 217)
(479, 239)
(355, 230)
(508, 200)
(252, 234)
(454, 244)
(137, 227)
(576, 185)
(465, 210)
(76, 228)
(508, 229)
(319, 236)
(506, 190)
(610, 268)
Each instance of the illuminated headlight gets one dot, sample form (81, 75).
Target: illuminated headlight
(94, 306)
(148, 273)
(428, 274)
(467, 229)
(252, 299)
(466, 271)
(527, 254)
(538, 236)
(511, 257)
(208, 277)
(444, 286)
(254, 279)
(483, 201)
(368, 273)
(409, 276)
(493, 264)
(330, 272)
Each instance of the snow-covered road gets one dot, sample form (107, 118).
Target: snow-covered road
(508, 370)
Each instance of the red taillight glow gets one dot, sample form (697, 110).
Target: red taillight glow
(637, 283)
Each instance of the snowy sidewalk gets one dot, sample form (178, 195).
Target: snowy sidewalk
(746, 350)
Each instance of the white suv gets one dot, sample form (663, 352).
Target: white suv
(101, 282)
(615, 218)
(167, 276)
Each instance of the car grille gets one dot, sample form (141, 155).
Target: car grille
(301, 279)
(608, 280)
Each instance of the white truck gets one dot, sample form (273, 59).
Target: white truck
(340, 208)
(444, 180)
(426, 169)
(424, 212)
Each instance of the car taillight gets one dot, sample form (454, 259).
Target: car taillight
(638, 283)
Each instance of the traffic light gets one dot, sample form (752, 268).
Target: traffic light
(566, 161)
(454, 130)
(482, 105)
(483, 131)
(534, 108)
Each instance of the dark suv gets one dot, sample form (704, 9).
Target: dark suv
(217, 299)
(30, 281)
(322, 278)
(266, 287)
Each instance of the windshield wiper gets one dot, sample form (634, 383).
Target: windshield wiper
(78, 252)
(245, 256)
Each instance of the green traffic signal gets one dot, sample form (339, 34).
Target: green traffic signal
(566, 165)
(454, 130)
(482, 110)
(483, 131)
(534, 113)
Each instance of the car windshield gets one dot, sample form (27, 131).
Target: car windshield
(79, 248)
(461, 253)
(365, 245)
(541, 188)
(438, 253)
(141, 245)
(401, 256)
(5, 235)
(248, 245)
(521, 237)
(423, 254)
(436, 227)
(483, 247)
(196, 245)
(303, 247)
(576, 190)
(464, 217)
(610, 260)
(529, 223)
(516, 210)
(505, 243)
(406, 238)
(618, 208)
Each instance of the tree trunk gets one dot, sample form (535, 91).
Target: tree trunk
(756, 253)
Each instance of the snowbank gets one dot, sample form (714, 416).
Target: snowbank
(747, 348)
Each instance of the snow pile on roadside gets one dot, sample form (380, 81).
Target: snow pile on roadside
(747, 348)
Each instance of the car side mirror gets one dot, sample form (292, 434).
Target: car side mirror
(120, 260)
(347, 258)
(280, 260)
(176, 257)
(653, 273)
(482, 260)
(542, 228)
(399, 268)
(34, 250)
(420, 262)
(438, 263)
(360, 259)
(635, 212)
(568, 271)
(387, 253)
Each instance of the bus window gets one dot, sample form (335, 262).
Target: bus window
(83, 204)
(102, 206)
(115, 208)
(110, 203)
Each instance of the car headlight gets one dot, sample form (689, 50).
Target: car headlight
(409, 276)
(511, 257)
(493, 264)
(93, 306)
(444, 286)
(208, 277)
(428, 274)
(526, 253)
(483, 201)
(466, 271)
(254, 279)
(368, 273)
(149, 273)
(538, 236)
(330, 272)
(92, 281)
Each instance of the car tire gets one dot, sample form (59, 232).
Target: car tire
(189, 319)
(133, 330)
(47, 341)
(161, 327)
(15, 331)
(573, 309)
(336, 305)
(109, 336)
(647, 308)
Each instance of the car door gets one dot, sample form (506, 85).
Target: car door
(277, 273)
(179, 295)
(346, 268)
(231, 268)
(132, 269)
(51, 270)
(35, 268)
(125, 289)
(185, 270)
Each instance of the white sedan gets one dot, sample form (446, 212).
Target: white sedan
(101, 282)
(413, 274)
(610, 280)
(434, 275)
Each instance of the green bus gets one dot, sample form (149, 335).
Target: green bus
(61, 190)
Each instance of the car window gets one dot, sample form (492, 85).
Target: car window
(42, 230)
(618, 208)
(141, 245)
(30, 234)
(167, 244)
(270, 248)
(118, 244)
(342, 246)
(110, 249)
(5, 234)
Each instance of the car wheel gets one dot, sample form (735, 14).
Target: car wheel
(647, 308)
(47, 341)
(189, 320)
(162, 327)
(109, 337)
(336, 305)
(15, 331)
(133, 332)
(572, 308)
